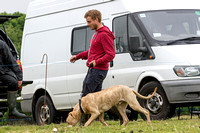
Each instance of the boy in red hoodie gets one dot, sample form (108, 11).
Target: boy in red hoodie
(100, 53)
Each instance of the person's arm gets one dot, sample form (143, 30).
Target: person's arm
(82, 55)
(73, 59)
(19, 83)
(11, 62)
(108, 46)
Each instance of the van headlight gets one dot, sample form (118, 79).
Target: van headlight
(187, 71)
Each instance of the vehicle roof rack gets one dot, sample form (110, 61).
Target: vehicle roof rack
(4, 18)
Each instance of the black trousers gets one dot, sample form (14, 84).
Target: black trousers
(93, 81)
(9, 81)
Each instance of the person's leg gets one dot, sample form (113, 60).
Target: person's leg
(13, 112)
(12, 84)
(100, 76)
(92, 83)
(84, 117)
(84, 89)
(9, 81)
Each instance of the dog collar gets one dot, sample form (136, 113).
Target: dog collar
(80, 106)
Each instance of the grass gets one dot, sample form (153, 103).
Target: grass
(183, 125)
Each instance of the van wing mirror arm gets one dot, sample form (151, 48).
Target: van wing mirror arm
(142, 49)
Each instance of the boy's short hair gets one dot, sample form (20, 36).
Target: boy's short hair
(93, 14)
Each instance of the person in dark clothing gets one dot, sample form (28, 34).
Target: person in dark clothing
(100, 53)
(11, 76)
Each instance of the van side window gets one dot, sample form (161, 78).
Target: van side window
(128, 39)
(81, 39)
(135, 38)
(120, 31)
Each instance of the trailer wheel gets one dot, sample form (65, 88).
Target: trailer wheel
(158, 105)
(44, 114)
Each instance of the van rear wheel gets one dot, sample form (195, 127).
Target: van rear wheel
(158, 105)
(44, 114)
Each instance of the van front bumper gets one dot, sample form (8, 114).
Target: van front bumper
(182, 91)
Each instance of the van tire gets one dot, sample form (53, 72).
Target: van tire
(158, 105)
(49, 115)
(172, 111)
(133, 115)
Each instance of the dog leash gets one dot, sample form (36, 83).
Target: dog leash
(80, 106)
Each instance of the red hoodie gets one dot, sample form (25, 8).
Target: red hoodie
(101, 49)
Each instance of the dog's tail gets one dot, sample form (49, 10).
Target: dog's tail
(143, 97)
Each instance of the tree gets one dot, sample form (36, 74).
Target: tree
(14, 29)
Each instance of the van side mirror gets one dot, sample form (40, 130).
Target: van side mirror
(139, 52)
(135, 45)
(142, 49)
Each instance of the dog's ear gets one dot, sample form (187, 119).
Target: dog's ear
(72, 114)
(69, 114)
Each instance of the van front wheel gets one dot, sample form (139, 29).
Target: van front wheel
(44, 114)
(158, 105)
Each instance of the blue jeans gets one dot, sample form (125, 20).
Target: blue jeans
(93, 81)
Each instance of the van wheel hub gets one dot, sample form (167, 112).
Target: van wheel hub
(155, 103)
(44, 113)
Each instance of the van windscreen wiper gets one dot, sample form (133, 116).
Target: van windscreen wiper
(183, 39)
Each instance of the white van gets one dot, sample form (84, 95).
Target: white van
(157, 45)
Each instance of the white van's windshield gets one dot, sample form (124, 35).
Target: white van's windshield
(172, 25)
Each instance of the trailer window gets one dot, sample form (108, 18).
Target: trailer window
(80, 39)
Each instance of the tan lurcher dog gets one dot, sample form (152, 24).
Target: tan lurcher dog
(99, 102)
